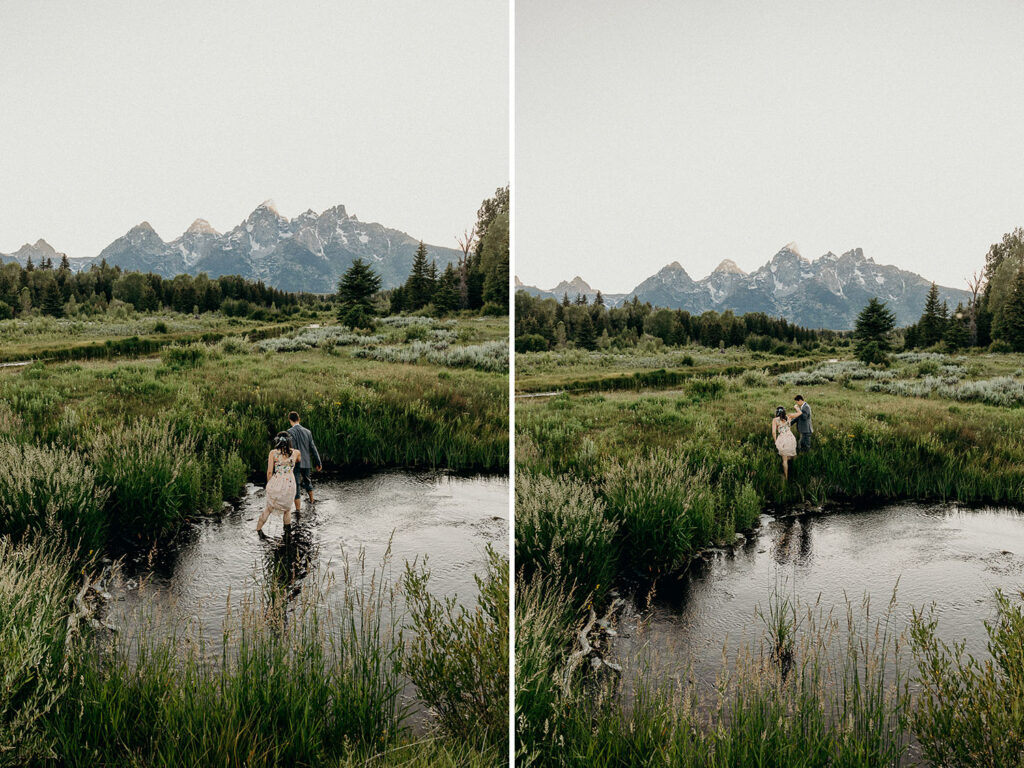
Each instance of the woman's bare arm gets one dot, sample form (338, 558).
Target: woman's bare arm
(270, 465)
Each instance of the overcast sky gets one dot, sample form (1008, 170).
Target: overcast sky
(655, 131)
(112, 113)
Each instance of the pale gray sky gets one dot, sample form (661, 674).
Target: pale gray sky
(654, 131)
(115, 112)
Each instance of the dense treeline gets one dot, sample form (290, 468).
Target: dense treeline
(59, 292)
(543, 324)
(994, 315)
(479, 282)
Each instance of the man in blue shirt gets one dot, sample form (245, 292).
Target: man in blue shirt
(302, 440)
(803, 425)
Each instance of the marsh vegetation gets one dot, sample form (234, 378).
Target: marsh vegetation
(104, 454)
(647, 457)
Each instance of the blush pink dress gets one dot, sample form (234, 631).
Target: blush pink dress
(281, 488)
(785, 442)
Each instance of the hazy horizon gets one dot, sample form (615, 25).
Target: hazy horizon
(659, 132)
(118, 115)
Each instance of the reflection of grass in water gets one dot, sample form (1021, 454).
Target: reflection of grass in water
(300, 679)
(843, 700)
(297, 681)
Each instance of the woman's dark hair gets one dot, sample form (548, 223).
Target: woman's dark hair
(283, 443)
(780, 412)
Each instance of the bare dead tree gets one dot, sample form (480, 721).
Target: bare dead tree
(467, 242)
(974, 283)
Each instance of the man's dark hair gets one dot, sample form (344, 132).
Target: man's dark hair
(293, 417)
(799, 398)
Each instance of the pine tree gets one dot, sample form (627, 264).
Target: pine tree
(958, 333)
(585, 334)
(599, 299)
(397, 300)
(874, 326)
(53, 302)
(446, 297)
(419, 287)
(64, 263)
(932, 324)
(355, 294)
(1012, 326)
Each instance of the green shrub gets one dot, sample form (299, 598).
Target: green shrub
(154, 475)
(179, 358)
(562, 533)
(43, 487)
(531, 342)
(233, 475)
(705, 389)
(1000, 346)
(458, 658)
(160, 327)
(747, 507)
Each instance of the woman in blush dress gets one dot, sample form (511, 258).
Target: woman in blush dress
(281, 465)
(785, 441)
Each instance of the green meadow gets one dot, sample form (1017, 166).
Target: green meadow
(122, 427)
(631, 463)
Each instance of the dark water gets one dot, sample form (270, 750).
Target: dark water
(949, 556)
(218, 561)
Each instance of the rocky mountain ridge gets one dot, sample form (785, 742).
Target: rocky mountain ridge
(828, 292)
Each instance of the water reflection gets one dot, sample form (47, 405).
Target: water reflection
(287, 558)
(941, 554)
(218, 561)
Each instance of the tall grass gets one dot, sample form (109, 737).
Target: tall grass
(42, 489)
(36, 644)
(296, 685)
(458, 657)
(970, 712)
(843, 701)
(664, 508)
(563, 533)
(154, 474)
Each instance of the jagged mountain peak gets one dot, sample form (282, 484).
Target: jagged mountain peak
(787, 252)
(201, 227)
(729, 266)
(828, 292)
(307, 253)
(574, 286)
(337, 211)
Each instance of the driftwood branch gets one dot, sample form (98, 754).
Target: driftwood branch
(585, 649)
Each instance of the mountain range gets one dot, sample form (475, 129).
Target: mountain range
(827, 292)
(307, 253)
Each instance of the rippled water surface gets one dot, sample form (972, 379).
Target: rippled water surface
(451, 519)
(942, 554)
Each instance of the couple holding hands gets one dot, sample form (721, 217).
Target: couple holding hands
(785, 442)
(289, 469)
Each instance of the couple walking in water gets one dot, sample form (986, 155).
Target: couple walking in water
(289, 471)
(785, 442)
